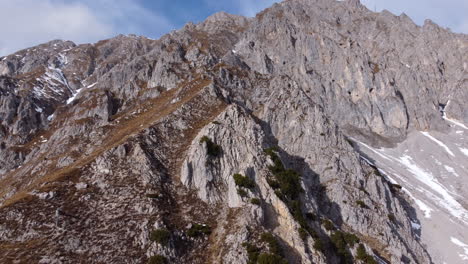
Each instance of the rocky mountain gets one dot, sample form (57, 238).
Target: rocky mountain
(316, 132)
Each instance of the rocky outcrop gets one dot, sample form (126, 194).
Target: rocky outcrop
(225, 141)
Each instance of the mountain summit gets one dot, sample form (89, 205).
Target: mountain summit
(316, 132)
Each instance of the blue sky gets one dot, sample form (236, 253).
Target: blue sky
(30, 22)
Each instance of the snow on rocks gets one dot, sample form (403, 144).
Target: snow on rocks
(464, 246)
(438, 142)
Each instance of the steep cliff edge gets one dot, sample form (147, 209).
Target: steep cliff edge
(231, 141)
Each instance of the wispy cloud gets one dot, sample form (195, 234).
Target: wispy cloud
(29, 22)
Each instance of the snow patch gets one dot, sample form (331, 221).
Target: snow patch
(462, 245)
(451, 170)
(424, 208)
(464, 151)
(38, 109)
(376, 151)
(49, 118)
(444, 198)
(415, 226)
(455, 122)
(81, 186)
(92, 85)
(72, 98)
(438, 143)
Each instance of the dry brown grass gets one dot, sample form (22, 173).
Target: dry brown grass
(155, 110)
(375, 244)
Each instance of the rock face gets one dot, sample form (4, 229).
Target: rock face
(229, 141)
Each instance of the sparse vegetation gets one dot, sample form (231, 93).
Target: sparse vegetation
(318, 244)
(286, 180)
(272, 242)
(257, 255)
(287, 186)
(212, 149)
(160, 236)
(198, 230)
(242, 193)
(362, 204)
(340, 247)
(252, 252)
(243, 181)
(303, 233)
(328, 225)
(374, 66)
(361, 252)
(350, 238)
(362, 255)
(152, 195)
(255, 201)
(158, 259)
(394, 188)
(311, 216)
(341, 242)
(267, 258)
(363, 190)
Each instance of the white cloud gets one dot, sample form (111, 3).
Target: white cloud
(25, 23)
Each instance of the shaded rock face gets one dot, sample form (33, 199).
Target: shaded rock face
(219, 133)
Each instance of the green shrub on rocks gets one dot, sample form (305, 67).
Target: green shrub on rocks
(328, 225)
(318, 244)
(287, 181)
(160, 236)
(266, 258)
(362, 204)
(362, 255)
(212, 149)
(287, 186)
(303, 234)
(199, 230)
(158, 259)
(340, 247)
(272, 242)
(351, 239)
(243, 181)
(273, 255)
(252, 252)
(242, 193)
(311, 216)
(255, 201)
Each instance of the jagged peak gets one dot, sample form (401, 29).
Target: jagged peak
(224, 17)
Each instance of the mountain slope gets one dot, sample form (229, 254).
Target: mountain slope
(230, 141)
